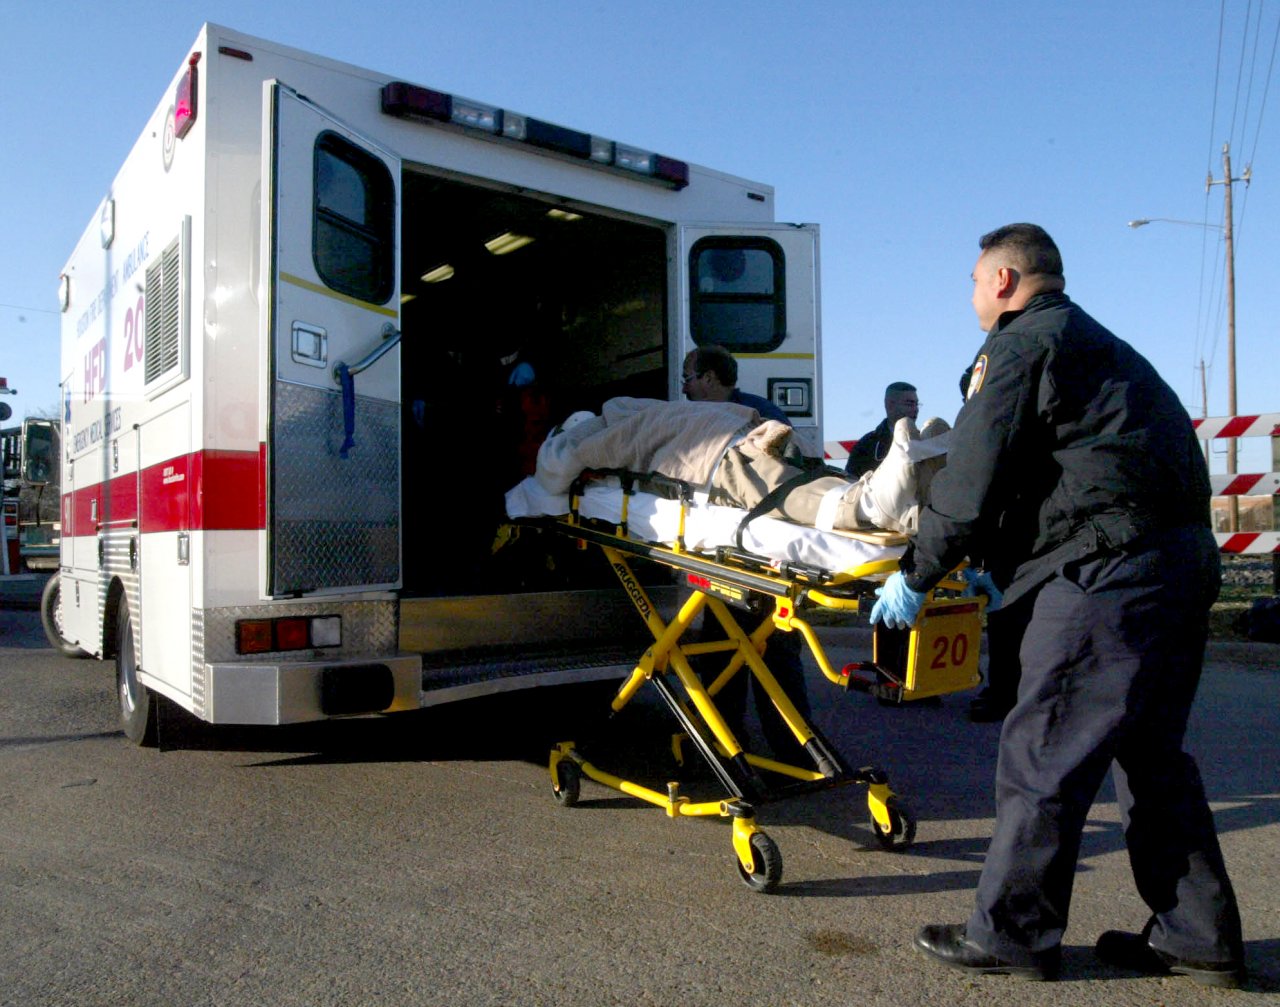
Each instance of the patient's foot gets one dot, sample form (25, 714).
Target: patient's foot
(927, 468)
(933, 427)
(890, 492)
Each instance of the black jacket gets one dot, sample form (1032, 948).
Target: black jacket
(1070, 443)
(870, 449)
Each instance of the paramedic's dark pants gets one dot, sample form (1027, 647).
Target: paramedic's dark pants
(1110, 663)
(1005, 627)
(782, 655)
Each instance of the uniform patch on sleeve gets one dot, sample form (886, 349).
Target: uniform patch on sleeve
(977, 377)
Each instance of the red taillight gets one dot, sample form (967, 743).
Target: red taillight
(291, 634)
(185, 99)
(253, 636)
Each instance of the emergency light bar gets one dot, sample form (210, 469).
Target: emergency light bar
(409, 101)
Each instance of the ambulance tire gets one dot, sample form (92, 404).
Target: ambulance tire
(51, 619)
(139, 706)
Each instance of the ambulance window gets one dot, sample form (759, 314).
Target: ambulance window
(737, 293)
(354, 232)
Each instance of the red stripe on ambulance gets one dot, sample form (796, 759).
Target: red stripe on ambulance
(202, 491)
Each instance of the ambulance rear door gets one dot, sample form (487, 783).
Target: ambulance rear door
(333, 452)
(754, 290)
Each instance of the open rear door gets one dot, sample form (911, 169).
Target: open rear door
(333, 452)
(753, 288)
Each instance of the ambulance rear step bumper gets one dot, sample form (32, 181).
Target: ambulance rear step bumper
(292, 693)
(449, 676)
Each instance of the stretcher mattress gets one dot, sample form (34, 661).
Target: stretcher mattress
(656, 519)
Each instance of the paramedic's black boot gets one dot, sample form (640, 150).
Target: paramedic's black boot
(1131, 951)
(947, 943)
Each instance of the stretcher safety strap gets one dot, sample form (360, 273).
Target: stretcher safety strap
(829, 508)
(348, 383)
(775, 497)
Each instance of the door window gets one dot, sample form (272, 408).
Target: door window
(354, 232)
(737, 293)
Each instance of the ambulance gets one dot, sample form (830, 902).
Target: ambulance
(318, 325)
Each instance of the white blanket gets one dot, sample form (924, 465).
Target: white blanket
(656, 519)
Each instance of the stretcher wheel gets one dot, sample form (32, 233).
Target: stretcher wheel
(902, 826)
(766, 864)
(569, 788)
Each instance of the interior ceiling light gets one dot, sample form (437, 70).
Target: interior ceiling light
(439, 274)
(406, 298)
(507, 242)
(557, 214)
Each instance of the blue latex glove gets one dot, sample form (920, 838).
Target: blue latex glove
(980, 582)
(522, 375)
(897, 605)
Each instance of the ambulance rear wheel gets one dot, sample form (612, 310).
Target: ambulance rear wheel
(139, 706)
(902, 826)
(51, 618)
(766, 868)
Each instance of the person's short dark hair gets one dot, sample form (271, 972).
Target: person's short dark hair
(1028, 248)
(719, 362)
(898, 386)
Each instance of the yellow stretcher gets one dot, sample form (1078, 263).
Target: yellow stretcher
(938, 655)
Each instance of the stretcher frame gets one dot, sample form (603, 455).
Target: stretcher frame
(734, 577)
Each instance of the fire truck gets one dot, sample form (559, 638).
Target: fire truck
(309, 337)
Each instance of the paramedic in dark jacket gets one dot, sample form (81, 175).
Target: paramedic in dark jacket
(1072, 445)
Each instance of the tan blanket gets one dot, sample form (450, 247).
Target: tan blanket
(682, 440)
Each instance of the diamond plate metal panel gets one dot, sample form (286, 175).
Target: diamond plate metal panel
(369, 629)
(116, 565)
(335, 521)
(199, 684)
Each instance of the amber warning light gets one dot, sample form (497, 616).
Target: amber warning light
(185, 99)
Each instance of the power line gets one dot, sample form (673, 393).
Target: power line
(1217, 75)
(1265, 90)
(26, 307)
(1244, 38)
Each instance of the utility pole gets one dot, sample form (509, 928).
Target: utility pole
(1226, 182)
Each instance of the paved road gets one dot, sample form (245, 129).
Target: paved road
(422, 860)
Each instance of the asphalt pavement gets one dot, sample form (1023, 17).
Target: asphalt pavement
(421, 859)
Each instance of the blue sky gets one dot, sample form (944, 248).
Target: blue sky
(904, 130)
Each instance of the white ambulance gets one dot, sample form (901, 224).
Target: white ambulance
(310, 336)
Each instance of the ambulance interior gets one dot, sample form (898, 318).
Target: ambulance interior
(515, 312)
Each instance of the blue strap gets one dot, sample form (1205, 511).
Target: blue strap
(348, 409)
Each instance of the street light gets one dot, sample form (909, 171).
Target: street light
(1227, 215)
(1231, 330)
(1144, 221)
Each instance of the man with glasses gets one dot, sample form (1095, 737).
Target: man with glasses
(711, 375)
(900, 399)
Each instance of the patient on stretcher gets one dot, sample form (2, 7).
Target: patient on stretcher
(739, 460)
